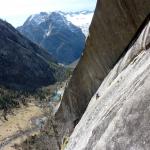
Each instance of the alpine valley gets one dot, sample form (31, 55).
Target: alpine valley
(61, 33)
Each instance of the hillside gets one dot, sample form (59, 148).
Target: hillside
(23, 64)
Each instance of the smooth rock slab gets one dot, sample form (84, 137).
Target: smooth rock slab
(114, 26)
(120, 118)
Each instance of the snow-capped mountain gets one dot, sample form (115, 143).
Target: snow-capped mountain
(81, 19)
(55, 33)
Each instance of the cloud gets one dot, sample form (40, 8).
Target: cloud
(13, 10)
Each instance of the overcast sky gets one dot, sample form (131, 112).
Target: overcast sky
(16, 11)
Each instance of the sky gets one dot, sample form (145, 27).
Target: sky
(17, 11)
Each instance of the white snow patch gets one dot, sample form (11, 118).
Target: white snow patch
(81, 20)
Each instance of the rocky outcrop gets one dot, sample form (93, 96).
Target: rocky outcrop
(115, 24)
(117, 117)
(23, 64)
(54, 32)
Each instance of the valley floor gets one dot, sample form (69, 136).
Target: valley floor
(26, 120)
(19, 126)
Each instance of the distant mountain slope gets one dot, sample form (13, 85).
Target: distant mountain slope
(53, 32)
(23, 64)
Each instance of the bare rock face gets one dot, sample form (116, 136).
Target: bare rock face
(118, 118)
(114, 25)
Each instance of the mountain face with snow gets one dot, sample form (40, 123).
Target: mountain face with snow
(81, 19)
(55, 33)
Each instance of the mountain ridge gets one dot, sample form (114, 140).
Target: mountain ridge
(53, 32)
(23, 64)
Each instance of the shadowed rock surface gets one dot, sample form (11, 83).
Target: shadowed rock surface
(119, 118)
(23, 64)
(114, 26)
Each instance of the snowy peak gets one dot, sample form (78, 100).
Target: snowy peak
(54, 32)
(37, 18)
(81, 19)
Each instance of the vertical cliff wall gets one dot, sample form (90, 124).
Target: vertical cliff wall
(119, 118)
(114, 25)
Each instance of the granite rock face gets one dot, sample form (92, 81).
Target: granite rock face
(118, 118)
(114, 28)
